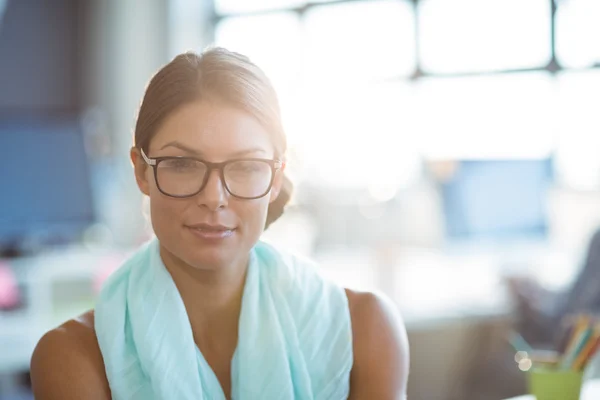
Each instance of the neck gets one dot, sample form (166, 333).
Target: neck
(212, 298)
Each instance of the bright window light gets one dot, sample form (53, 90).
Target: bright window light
(577, 158)
(361, 136)
(484, 35)
(486, 117)
(360, 41)
(578, 33)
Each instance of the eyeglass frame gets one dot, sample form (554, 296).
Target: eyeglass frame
(275, 164)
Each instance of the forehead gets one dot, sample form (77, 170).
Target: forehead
(214, 130)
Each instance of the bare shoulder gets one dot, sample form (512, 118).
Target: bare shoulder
(380, 344)
(67, 363)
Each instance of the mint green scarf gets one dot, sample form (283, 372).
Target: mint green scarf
(295, 337)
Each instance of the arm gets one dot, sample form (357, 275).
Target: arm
(381, 353)
(67, 364)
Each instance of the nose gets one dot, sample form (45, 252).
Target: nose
(214, 195)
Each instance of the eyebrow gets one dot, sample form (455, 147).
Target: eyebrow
(187, 149)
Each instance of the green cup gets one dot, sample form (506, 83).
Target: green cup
(551, 384)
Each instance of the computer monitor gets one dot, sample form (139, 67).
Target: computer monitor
(45, 187)
(497, 199)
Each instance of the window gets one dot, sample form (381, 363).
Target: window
(362, 137)
(490, 35)
(348, 77)
(578, 147)
(277, 54)
(495, 116)
(578, 32)
(331, 83)
(364, 41)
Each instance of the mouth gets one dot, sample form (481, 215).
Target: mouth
(211, 232)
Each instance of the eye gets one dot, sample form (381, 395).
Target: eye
(180, 164)
(245, 167)
(248, 167)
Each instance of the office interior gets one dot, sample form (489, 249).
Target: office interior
(437, 147)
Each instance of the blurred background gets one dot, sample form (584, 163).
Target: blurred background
(440, 148)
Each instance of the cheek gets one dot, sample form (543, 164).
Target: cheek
(165, 213)
(252, 214)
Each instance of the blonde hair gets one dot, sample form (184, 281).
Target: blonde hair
(221, 75)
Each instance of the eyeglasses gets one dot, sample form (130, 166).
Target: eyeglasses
(244, 178)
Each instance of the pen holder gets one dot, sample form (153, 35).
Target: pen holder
(551, 384)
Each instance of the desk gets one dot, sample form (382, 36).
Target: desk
(591, 391)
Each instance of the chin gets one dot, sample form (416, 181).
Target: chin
(202, 256)
(205, 260)
(211, 254)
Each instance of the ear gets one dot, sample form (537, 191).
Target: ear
(277, 184)
(140, 169)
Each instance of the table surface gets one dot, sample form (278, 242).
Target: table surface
(591, 391)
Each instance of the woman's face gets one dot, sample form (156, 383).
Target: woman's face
(211, 229)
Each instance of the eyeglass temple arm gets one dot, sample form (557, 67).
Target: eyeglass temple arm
(148, 160)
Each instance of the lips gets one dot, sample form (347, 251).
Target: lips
(209, 227)
(211, 232)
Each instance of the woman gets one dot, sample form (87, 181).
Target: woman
(206, 310)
